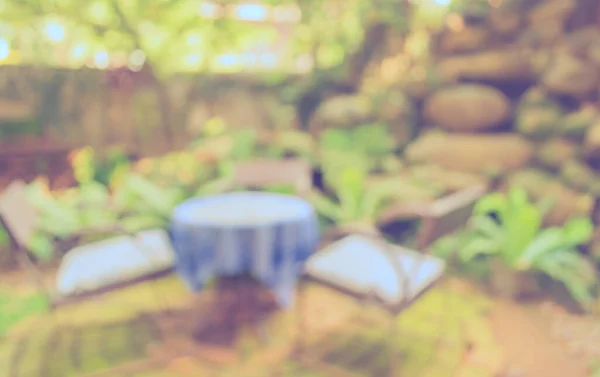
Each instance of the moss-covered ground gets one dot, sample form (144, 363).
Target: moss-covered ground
(446, 333)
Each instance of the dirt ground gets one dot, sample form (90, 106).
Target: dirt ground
(524, 334)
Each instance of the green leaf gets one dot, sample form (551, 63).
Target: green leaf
(215, 186)
(325, 206)
(93, 193)
(336, 139)
(350, 191)
(578, 231)
(140, 222)
(517, 198)
(375, 198)
(570, 268)
(42, 246)
(487, 227)
(476, 247)
(57, 217)
(373, 139)
(281, 189)
(492, 203)
(244, 144)
(547, 241)
(155, 199)
(521, 221)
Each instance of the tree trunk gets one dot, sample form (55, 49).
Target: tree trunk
(375, 39)
(325, 82)
(166, 115)
(165, 108)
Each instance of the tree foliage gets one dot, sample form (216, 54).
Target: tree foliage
(334, 41)
(171, 33)
(181, 35)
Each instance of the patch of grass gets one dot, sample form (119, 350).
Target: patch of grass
(33, 359)
(117, 306)
(432, 339)
(16, 306)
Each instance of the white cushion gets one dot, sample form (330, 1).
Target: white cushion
(115, 260)
(358, 264)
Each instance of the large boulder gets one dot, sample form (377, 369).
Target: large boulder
(505, 21)
(392, 107)
(579, 176)
(342, 111)
(558, 10)
(570, 75)
(467, 39)
(579, 42)
(593, 53)
(467, 108)
(509, 64)
(538, 122)
(483, 154)
(543, 35)
(575, 124)
(443, 179)
(554, 152)
(567, 203)
(538, 115)
(592, 140)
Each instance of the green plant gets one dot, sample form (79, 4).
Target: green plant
(509, 228)
(372, 141)
(142, 204)
(63, 215)
(297, 143)
(353, 201)
(447, 248)
(115, 160)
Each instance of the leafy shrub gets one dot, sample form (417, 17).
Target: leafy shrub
(372, 142)
(509, 228)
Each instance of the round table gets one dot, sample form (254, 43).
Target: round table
(263, 236)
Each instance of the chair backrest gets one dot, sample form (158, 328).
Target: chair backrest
(17, 215)
(263, 173)
(448, 214)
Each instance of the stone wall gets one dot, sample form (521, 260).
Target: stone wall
(510, 95)
(529, 70)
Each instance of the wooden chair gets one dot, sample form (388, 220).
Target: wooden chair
(371, 270)
(262, 173)
(439, 218)
(20, 219)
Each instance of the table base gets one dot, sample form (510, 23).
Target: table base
(240, 302)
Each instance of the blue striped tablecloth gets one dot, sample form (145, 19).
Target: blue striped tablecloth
(268, 236)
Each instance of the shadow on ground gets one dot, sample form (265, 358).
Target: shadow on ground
(121, 334)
